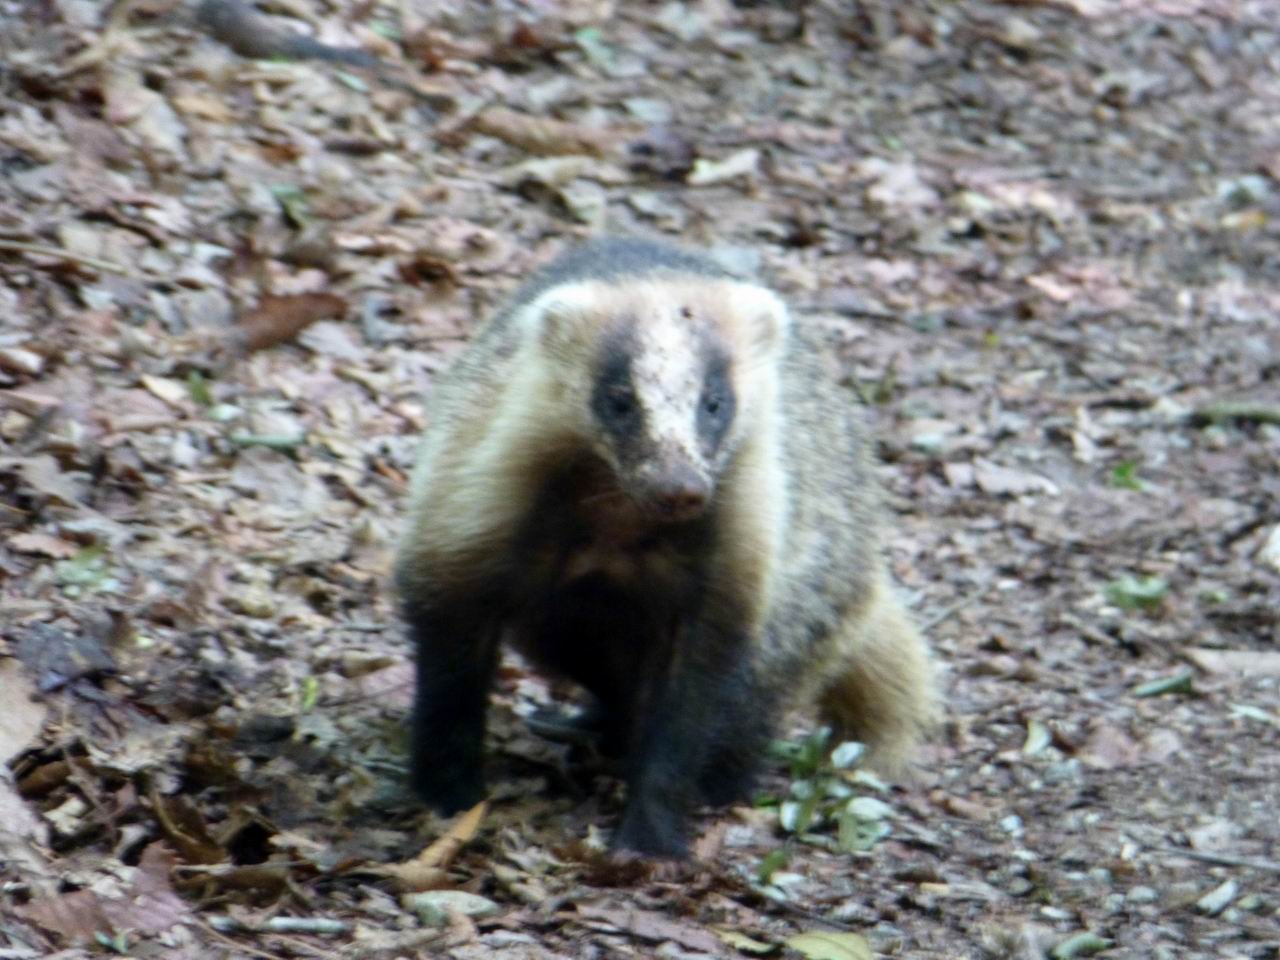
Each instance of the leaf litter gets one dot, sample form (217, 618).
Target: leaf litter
(1039, 239)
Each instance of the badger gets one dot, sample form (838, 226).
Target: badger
(642, 475)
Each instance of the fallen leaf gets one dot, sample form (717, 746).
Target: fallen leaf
(74, 916)
(43, 475)
(1109, 748)
(19, 820)
(56, 657)
(743, 943)
(183, 826)
(172, 392)
(1247, 662)
(831, 946)
(1217, 836)
(278, 319)
(23, 717)
(146, 904)
(43, 544)
(1053, 288)
(149, 905)
(439, 903)
(706, 173)
(541, 135)
(896, 184)
(426, 871)
(1079, 945)
(997, 480)
(652, 926)
(204, 107)
(1217, 899)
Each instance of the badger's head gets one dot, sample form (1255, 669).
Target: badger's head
(663, 377)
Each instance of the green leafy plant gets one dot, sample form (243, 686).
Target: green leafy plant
(828, 803)
(1125, 476)
(1137, 593)
(89, 571)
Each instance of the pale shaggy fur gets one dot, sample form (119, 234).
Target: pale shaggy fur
(796, 552)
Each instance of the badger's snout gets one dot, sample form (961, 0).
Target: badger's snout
(674, 491)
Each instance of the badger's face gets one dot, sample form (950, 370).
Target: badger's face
(664, 376)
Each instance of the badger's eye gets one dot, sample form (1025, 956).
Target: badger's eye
(622, 403)
(712, 404)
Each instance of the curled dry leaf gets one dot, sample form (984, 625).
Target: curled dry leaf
(44, 545)
(278, 319)
(540, 135)
(426, 871)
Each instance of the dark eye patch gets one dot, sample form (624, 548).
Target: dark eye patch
(613, 399)
(717, 404)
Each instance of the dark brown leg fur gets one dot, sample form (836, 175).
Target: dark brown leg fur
(456, 648)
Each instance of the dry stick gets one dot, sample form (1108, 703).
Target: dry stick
(238, 26)
(1092, 634)
(759, 899)
(237, 945)
(946, 613)
(40, 249)
(1222, 859)
(1228, 410)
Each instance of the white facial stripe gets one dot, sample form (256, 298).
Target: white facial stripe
(667, 372)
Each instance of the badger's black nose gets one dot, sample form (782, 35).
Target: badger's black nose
(680, 494)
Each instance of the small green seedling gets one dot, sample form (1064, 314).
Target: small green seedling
(1137, 593)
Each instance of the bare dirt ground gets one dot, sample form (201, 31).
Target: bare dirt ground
(1045, 238)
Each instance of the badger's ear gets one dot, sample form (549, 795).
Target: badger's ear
(765, 315)
(554, 317)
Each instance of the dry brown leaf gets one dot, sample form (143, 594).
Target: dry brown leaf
(1249, 662)
(44, 545)
(23, 717)
(31, 402)
(204, 107)
(20, 823)
(148, 905)
(542, 136)
(426, 871)
(1109, 748)
(997, 480)
(653, 926)
(183, 825)
(278, 319)
(1053, 288)
(75, 916)
(173, 393)
(43, 474)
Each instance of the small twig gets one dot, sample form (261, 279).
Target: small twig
(238, 26)
(321, 925)
(948, 612)
(1221, 859)
(1092, 634)
(283, 444)
(763, 901)
(1230, 410)
(42, 250)
(237, 946)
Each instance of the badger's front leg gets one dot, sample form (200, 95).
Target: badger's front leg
(677, 729)
(456, 645)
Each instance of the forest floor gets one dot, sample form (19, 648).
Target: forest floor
(1045, 240)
